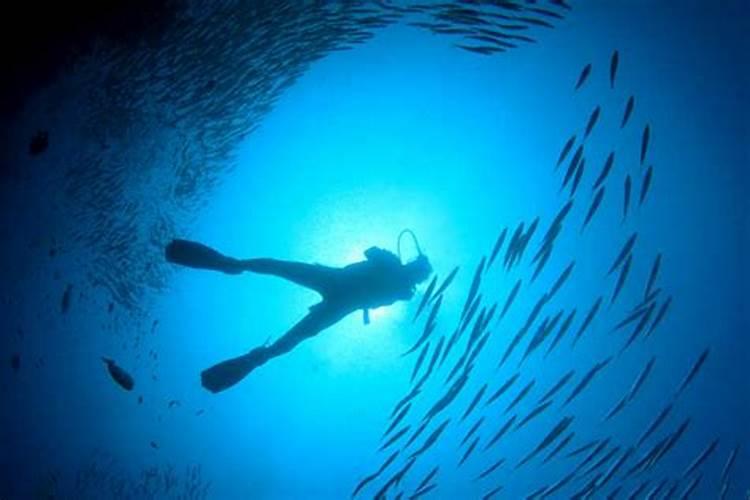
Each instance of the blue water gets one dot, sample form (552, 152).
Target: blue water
(404, 131)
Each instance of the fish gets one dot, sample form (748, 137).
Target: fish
(172, 403)
(542, 262)
(582, 448)
(474, 287)
(498, 245)
(448, 397)
(565, 150)
(398, 435)
(694, 370)
(471, 432)
(556, 224)
(492, 493)
(587, 490)
(542, 333)
(395, 479)
(672, 441)
(624, 252)
(561, 280)
(644, 142)
(154, 445)
(554, 488)
(397, 420)
(524, 241)
(448, 280)
(613, 63)
(428, 328)
(412, 394)
(572, 166)
(593, 118)
(470, 314)
(120, 376)
(636, 314)
(426, 297)
(639, 327)
(558, 385)
(533, 414)
(691, 487)
(577, 177)
(503, 388)
(653, 274)
(585, 72)
(489, 470)
(200, 412)
(701, 458)
(616, 409)
(435, 355)
(615, 467)
(656, 490)
(417, 433)
(663, 414)
(586, 380)
(474, 402)
(431, 439)
(421, 492)
(481, 49)
(419, 362)
(469, 451)
(561, 332)
(728, 464)
(639, 381)
(646, 184)
(638, 490)
(622, 278)
(629, 105)
(608, 163)
(626, 196)
(660, 314)
(521, 394)
(560, 446)
(66, 299)
(500, 433)
(15, 362)
(598, 197)
(601, 445)
(511, 297)
(428, 477)
(588, 319)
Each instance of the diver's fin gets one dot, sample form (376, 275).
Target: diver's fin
(197, 255)
(227, 373)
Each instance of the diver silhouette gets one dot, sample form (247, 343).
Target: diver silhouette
(378, 281)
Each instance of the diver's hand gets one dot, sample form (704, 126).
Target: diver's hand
(366, 316)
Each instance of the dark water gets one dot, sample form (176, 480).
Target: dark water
(312, 132)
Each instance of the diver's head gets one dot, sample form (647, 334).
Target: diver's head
(419, 269)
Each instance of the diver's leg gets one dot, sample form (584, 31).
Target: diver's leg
(199, 256)
(227, 373)
(314, 276)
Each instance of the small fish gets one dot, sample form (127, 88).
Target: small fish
(694, 370)
(640, 379)
(624, 252)
(469, 451)
(646, 184)
(474, 287)
(417, 433)
(572, 166)
(661, 313)
(140, 400)
(554, 488)
(594, 453)
(426, 297)
(428, 328)
(498, 245)
(558, 385)
(397, 420)
(585, 72)
(644, 142)
(533, 414)
(374, 476)
(428, 477)
(398, 435)
(511, 298)
(616, 409)
(616, 467)
(565, 150)
(419, 362)
(448, 280)
(578, 177)
(729, 463)
(492, 493)
(663, 414)
(622, 278)
(582, 448)
(489, 470)
(628, 111)
(561, 280)
(560, 446)
(431, 439)
(420, 492)
(200, 412)
(653, 275)
(154, 445)
(521, 394)
(598, 197)
(551, 436)
(172, 403)
(613, 63)
(593, 118)
(637, 313)
(471, 432)
(66, 298)
(587, 380)
(626, 196)
(412, 394)
(503, 388)
(474, 402)
(691, 487)
(448, 397)
(500, 433)
(673, 438)
(15, 362)
(656, 490)
(605, 170)
(120, 376)
(561, 333)
(702, 457)
(588, 319)
(435, 355)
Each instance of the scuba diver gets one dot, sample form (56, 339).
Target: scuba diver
(380, 280)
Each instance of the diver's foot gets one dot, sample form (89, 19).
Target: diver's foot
(228, 373)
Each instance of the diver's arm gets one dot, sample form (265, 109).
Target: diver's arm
(366, 316)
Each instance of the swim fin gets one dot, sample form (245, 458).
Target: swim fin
(199, 256)
(227, 373)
